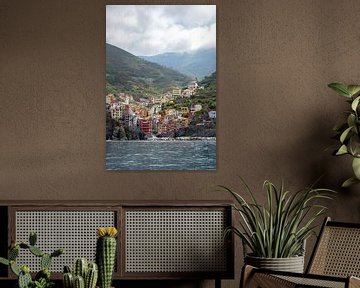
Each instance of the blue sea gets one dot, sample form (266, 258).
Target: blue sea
(161, 155)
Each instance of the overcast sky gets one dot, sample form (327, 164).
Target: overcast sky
(145, 30)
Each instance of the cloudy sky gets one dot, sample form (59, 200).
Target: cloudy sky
(145, 30)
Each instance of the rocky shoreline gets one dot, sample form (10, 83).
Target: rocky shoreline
(158, 139)
(117, 131)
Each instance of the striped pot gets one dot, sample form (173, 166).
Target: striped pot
(291, 264)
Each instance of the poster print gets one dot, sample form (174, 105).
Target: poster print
(161, 87)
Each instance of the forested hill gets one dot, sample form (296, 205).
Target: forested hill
(209, 84)
(195, 64)
(133, 75)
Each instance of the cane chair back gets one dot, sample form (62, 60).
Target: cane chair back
(335, 262)
(337, 252)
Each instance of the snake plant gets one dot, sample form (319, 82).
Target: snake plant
(279, 228)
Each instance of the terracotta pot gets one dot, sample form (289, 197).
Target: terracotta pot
(291, 264)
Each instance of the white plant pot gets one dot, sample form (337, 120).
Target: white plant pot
(291, 264)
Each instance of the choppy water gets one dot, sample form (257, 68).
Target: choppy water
(161, 155)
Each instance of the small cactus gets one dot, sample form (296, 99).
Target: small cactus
(91, 276)
(68, 280)
(24, 245)
(42, 278)
(67, 269)
(57, 252)
(106, 254)
(84, 274)
(36, 251)
(44, 273)
(80, 268)
(79, 282)
(13, 253)
(24, 277)
(45, 261)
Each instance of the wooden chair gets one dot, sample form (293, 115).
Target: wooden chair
(334, 263)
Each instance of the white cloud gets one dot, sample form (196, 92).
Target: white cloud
(154, 29)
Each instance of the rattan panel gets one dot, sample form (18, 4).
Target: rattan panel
(75, 231)
(338, 253)
(175, 241)
(313, 282)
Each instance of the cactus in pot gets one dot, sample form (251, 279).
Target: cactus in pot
(106, 254)
(85, 275)
(91, 276)
(81, 267)
(42, 278)
(79, 282)
(68, 278)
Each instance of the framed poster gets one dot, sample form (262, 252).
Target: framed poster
(160, 87)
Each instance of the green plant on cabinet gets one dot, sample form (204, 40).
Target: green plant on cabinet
(42, 278)
(348, 132)
(279, 228)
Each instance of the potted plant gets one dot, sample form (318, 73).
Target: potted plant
(106, 254)
(275, 233)
(84, 274)
(348, 132)
(42, 278)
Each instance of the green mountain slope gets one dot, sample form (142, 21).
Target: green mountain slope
(138, 77)
(195, 64)
(206, 97)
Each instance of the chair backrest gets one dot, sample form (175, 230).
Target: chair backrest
(337, 251)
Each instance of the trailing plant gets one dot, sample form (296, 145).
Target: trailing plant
(84, 275)
(42, 278)
(106, 254)
(348, 132)
(278, 229)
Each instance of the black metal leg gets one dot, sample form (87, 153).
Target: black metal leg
(217, 283)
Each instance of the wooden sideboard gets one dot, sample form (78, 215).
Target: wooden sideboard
(157, 240)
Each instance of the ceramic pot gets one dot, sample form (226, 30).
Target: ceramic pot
(291, 264)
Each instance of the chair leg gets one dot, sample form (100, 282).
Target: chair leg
(246, 273)
(250, 278)
(217, 283)
(354, 282)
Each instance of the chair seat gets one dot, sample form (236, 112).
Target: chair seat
(267, 279)
(315, 282)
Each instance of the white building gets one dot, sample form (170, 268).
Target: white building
(212, 114)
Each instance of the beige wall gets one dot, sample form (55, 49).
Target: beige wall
(275, 58)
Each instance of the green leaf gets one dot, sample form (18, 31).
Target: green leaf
(14, 268)
(353, 89)
(342, 150)
(345, 134)
(4, 261)
(13, 253)
(354, 145)
(349, 182)
(351, 120)
(45, 261)
(356, 167)
(355, 103)
(340, 88)
(36, 251)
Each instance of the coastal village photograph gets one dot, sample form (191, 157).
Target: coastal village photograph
(161, 87)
